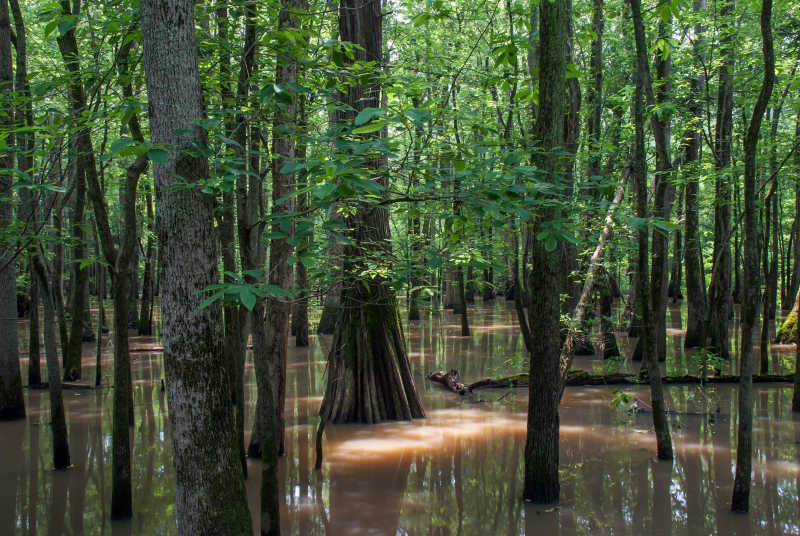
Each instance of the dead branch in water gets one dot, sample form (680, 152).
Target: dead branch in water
(580, 378)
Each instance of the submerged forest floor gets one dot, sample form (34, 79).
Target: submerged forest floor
(457, 472)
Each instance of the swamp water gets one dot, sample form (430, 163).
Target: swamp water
(458, 472)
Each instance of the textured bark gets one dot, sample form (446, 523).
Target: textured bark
(719, 290)
(234, 316)
(369, 375)
(675, 290)
(12, 403)
(740, 502)
(693, 254)
(34, 334)
(210, 492)
(663, 189)
(545, 285)
(28, 211)
(647, 342)
(795, 238)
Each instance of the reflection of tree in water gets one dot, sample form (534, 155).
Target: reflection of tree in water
(357, 505)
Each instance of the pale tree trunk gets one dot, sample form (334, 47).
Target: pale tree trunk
(210, 491)
(740, 502)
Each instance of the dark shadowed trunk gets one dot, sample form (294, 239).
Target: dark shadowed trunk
(648, 344)
(12, 402)
(719, 290)
(545, 284)
(740, 502)
(693, 253)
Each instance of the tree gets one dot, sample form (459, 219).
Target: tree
(545, 283)
(719, 290)
(644, 90)
(210, 491)
(369, 376)
(740, 501)
(12, 403)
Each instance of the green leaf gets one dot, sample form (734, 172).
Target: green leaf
(247, 297)
(292, 167)
(160, 156)
(366, 114)
(372, 127)
(550, 244)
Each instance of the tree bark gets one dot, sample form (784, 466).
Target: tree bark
(648, 343)
(541, 483)
(12, 402)
(210, 492)
(719, 290)
(369, 375)
(740, 502)
(693, 252)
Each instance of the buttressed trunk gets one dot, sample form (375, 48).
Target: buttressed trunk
(369, 375)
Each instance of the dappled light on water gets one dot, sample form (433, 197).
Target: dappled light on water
(459, 471)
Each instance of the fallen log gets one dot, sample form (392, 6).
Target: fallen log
(581, 378)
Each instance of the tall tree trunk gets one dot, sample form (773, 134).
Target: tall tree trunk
(234, 315)
(648, 344)
(719, 290)
(271, 357)
(29, 209)
(664, 191)
(675, 290)
(740, 502)
(12, 402)
(304, 236)
(693, 252)
(546, 284)
(369, 375)
(211, 496)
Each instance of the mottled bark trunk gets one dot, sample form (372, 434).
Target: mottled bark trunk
(210, 491)
(304, 235)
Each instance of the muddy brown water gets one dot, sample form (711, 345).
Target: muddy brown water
(457, 472)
